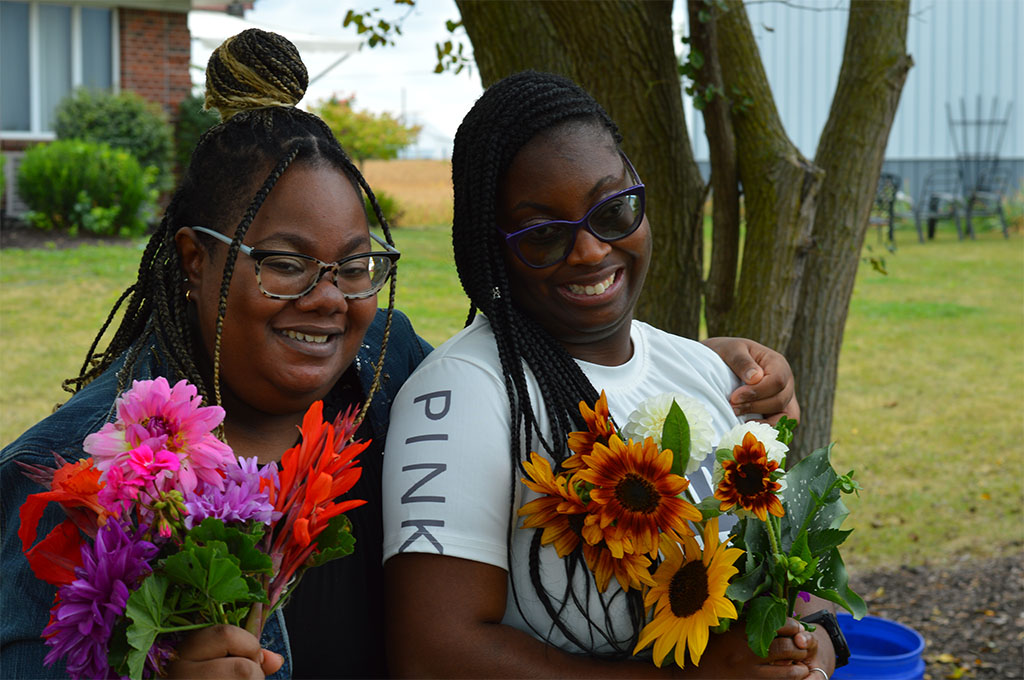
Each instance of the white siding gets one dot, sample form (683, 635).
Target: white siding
(961, 49)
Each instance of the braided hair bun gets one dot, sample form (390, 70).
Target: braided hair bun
(252, 70)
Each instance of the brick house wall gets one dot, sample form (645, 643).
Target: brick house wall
(155, 50)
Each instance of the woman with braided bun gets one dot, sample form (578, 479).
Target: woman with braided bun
(552, 247)
(270, 177)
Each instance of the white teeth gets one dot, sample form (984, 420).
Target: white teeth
(595, 289)
(318, 339)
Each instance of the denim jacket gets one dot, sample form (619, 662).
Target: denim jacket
(25, 601)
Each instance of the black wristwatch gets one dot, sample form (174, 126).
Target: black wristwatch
(827, 620)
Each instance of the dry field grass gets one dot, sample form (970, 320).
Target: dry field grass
(423, 189)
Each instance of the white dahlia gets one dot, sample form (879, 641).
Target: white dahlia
(648, 420)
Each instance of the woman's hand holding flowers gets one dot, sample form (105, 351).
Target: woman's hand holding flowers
(223, 652)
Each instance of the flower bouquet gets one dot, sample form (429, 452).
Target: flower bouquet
(180, 534)
(623, 500)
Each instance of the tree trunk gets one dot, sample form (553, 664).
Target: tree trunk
(720, 290)
(779, 185)
(851, 151)
(622, 52)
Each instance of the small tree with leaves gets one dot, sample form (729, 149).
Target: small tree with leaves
(364, 134)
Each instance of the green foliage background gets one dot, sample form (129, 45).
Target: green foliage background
(192, 122)
(73, 185)
(364, 134)
(125, 121)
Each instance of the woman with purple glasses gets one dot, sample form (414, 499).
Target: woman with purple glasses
(552, 246)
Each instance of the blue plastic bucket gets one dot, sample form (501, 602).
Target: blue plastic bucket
(880, 650)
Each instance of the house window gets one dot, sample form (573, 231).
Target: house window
(46, 51)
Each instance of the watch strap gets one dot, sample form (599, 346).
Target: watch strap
(827, 620)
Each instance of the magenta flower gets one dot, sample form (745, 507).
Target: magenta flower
(245, 496)
(165, 418)
(89, 607)
(119, 492)
(149, 465)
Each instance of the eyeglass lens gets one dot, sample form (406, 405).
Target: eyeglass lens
(290, 276)
(616, 217)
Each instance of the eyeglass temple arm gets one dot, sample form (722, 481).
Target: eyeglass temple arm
(246, 250)
(390, 248)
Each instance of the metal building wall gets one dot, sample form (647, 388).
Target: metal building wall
(962, 49)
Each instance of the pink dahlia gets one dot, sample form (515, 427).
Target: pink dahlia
(165, 418)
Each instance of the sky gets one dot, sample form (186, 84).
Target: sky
(399, 79)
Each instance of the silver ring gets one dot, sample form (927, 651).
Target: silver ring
(820, 670)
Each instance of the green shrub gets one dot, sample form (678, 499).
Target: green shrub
(193, 121)
(124, 121)
(72, 184)
(389, 205)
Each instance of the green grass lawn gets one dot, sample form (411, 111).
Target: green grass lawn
(931, 377)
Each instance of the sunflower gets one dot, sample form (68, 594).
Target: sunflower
(629, 570)
(559, 510)
(599, 429)
(747, 480)
(690, 596)
(636, 494)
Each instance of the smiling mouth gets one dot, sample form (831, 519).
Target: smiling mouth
(304, 337)
(595, 289)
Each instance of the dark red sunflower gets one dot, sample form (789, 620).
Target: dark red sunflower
(636, 494)
(747, 480)
(559, 510)
(599, 428)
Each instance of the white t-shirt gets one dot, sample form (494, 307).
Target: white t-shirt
(450, 484)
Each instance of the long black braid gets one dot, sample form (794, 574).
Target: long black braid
(508, 115)
(254, 79)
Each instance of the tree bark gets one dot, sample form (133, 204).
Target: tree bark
(720, 290)
(780, 187)
(851, 151)
(623, 54)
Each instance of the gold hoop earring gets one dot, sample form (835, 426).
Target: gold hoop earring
(188, 295)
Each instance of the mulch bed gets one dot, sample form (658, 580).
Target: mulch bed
(16, 234)
(969, 611)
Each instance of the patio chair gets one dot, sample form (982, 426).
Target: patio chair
(977, 142)
(939, 198)
(883, 210)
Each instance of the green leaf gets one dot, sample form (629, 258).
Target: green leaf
(709, 507)
(146, 609)
(786, 426)
(335, 541)
(800, 548)
(765, 615)
(820, 542)
(210, 570)
(240, 544)
(750, 585)
(811, 477)
(832, 584)
(697, 59)
(675, 435)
